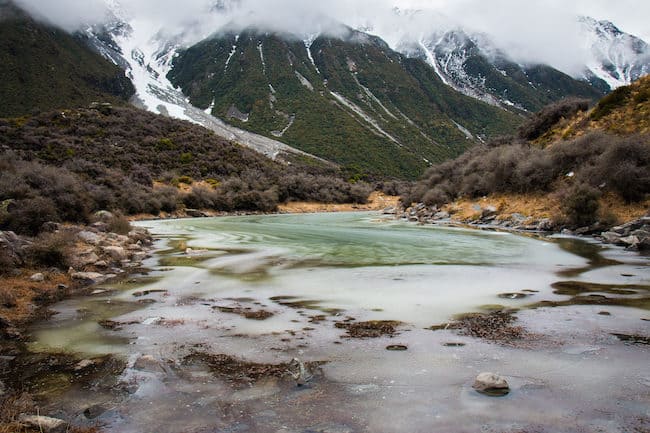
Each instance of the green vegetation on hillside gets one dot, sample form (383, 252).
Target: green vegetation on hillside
(43, 68)
(64, 165)
(410, 118)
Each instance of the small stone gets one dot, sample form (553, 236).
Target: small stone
(83, 364)
(37, 278)
(491, 384)
(396, 347)
(44, 424)
(149, 364)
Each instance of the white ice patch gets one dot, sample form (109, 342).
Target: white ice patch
(355, 108)
(305, 82)
(373, 97)
(232, 53)
(210, 108)
(261, 50)
(431, 59)
(308, 43)
(464, 130)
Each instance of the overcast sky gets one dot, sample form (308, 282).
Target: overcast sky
(543, 29)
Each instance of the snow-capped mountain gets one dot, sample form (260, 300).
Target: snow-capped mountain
(617, 58)
(474, 66)
(145, 53)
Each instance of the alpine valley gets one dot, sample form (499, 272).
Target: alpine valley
(333, 92)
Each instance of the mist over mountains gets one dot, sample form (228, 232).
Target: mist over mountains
(529, 32)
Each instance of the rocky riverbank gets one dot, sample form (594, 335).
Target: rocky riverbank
(64, 261)
(633, 235)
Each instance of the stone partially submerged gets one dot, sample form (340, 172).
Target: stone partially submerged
(491, 384)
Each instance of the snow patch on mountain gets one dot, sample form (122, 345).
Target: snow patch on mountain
(617, 58)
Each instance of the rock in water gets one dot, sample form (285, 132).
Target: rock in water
(491, 384)
(44, 424)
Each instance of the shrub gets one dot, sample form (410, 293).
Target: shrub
(28, 216)
(7, 298)
(119, 224)
(548, 116)
(7, 263)
(51, 250)
(617, 98)
(580, 205)
(200, 198)
(625, 168)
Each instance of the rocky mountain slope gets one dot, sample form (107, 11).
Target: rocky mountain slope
(617, 58)
(472, 65)
(42, 67)
(351, 99)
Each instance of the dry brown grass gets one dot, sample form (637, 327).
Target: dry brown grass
(537, 206)
(631, 118)
(540, 206)
(376, 201)
(24, 292)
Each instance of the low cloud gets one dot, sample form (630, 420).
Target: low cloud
(530, 31)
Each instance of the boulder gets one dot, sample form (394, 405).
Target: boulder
(630, 241)
(89, 237)
(43, 424)
(491, 384)
(88, 277)
(86, 259)
(116, 253)
(139, 256)
(611, 237)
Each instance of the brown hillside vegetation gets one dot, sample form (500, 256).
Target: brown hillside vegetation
(624, 111)
(62, 166)
(594, 168)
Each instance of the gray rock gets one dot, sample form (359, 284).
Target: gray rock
(37, 278)
(43, 424)
(88, 277)
(139, 256)
(389, 211)
(491, 384)
(83, 364)
(86, 259)
(89, 237)
(149, 364)
(630, 241)
(195, 213)
(611, 237)
(545, 225)
(442, 215)
(116, 253)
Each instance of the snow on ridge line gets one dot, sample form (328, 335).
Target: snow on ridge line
(431, 59)
(158, 95)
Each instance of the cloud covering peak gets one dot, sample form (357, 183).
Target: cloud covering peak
(529, 31)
